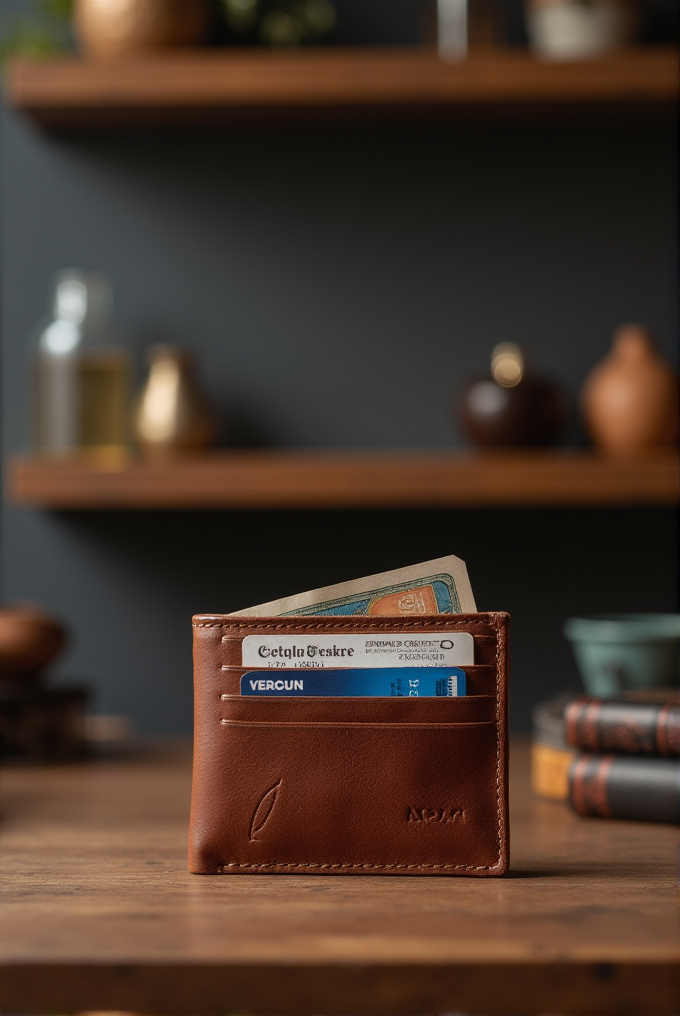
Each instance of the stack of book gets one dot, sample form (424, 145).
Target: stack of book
(614, 758)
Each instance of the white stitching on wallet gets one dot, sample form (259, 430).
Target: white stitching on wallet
(418, 622)
(498, 745)
(314, 864)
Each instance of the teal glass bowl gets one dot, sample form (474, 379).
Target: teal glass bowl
(625, 652)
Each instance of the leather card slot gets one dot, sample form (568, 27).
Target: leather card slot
(231, 653)
(356, 798)
(303, 724)
(485, 650)
(234, 630)
(275, 709)
(481, 680)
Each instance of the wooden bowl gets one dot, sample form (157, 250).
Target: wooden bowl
(29, 640)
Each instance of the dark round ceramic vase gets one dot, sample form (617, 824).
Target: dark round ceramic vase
(511, 407)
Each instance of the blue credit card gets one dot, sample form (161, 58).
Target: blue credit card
(380, 682)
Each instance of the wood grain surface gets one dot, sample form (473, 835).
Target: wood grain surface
(99, 912)
(357, 479)
(72, 92)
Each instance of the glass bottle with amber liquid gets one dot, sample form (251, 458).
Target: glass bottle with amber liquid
(81, 373)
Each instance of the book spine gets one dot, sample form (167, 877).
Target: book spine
(550, 770)
(634, 728)
(612, 786)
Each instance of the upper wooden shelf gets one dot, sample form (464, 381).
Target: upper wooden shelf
(351, 479)
(196, 85)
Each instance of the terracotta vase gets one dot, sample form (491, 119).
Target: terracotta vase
(29, 640)
(172, 417)
(630, 399)
(511, 407)
(119, 28)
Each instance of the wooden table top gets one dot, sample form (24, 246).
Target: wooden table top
(98, 911)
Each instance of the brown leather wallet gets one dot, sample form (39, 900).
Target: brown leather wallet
(356, 786)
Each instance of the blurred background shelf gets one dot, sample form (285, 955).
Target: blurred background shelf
(352, 479)
(341, 246)
(204, 84)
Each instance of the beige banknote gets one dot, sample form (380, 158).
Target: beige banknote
(441, 586)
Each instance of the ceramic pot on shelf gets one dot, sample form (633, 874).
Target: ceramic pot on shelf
(580, 29)
(171, 416)
(630, 399)
(30, 639)
(119, 28)
(512, 407)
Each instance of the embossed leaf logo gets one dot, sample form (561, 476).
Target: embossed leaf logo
(263, 811)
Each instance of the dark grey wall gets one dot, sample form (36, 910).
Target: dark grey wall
(128, 583)
(340, 284)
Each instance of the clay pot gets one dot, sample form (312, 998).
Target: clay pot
(630, 399)
(119, 28)
(29, 640)
(511, 407)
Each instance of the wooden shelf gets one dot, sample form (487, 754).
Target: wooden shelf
(352, 479)
(197, 84)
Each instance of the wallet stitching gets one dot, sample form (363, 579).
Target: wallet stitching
(498, 745)
(315, 864)
(420, 622)
(404, 867)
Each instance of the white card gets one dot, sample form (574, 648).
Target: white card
(401, 649)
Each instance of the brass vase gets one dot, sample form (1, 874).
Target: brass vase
(171, 416)
(119, 28)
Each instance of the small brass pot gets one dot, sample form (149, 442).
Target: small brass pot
(119, 28)
(171, 416)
